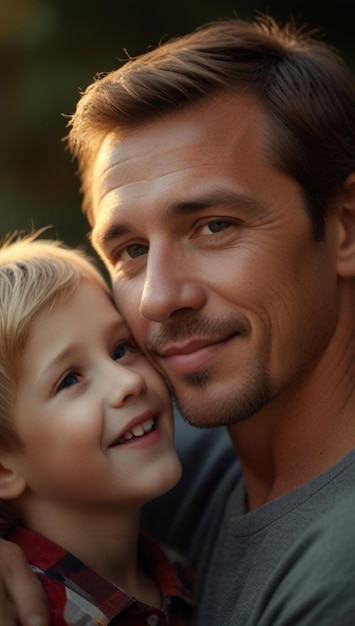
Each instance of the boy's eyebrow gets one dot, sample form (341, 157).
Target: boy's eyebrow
(118, 326)
(54, 362)
(220, 197)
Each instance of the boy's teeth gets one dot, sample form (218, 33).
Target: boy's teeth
(148, 425)
(138, 431)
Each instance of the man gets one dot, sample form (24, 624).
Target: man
(218, 175)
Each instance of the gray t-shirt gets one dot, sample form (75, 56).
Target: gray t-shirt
(290, 562)
(210, 472)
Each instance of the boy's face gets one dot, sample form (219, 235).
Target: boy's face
(94, 416)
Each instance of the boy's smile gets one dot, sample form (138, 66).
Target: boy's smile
(93, 414)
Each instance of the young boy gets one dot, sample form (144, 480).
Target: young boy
(86, 438)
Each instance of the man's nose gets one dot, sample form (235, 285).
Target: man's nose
(171, 287)
(123, 383)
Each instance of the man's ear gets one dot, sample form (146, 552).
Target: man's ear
(12, 483)
(346, 248)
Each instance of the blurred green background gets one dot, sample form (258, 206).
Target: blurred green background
(50, 49)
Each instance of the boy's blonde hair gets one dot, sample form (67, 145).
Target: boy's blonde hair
(35, 275)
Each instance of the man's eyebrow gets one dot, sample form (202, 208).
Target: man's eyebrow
(103, 238)
(217, 197)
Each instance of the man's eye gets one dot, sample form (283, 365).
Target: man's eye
(123, 349)
(136, 249)
(68, 381)
(217, 226)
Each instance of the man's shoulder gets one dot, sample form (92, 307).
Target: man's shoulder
(335, 528)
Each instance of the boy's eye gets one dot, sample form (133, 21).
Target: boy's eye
(68, 381)
(123, 349)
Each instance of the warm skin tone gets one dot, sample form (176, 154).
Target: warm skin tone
(235, 303)
(81, 479)
(246, 256)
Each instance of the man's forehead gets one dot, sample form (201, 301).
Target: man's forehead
(177, 130)
(133, 169)
(124, 177)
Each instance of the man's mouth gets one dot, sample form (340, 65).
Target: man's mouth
(138, 431)
(189, 347)
(193, 356)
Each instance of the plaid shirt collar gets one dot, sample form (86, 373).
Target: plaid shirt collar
(174, 579)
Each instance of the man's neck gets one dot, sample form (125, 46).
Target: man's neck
(303, 432)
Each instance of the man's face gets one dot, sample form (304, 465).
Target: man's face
(212, 258)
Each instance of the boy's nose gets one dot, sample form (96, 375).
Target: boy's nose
(124, 384)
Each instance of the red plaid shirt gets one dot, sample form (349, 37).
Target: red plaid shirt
(78, 596)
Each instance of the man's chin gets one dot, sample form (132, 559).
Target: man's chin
(204, 406)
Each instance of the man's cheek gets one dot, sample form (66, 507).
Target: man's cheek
(128, 305)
